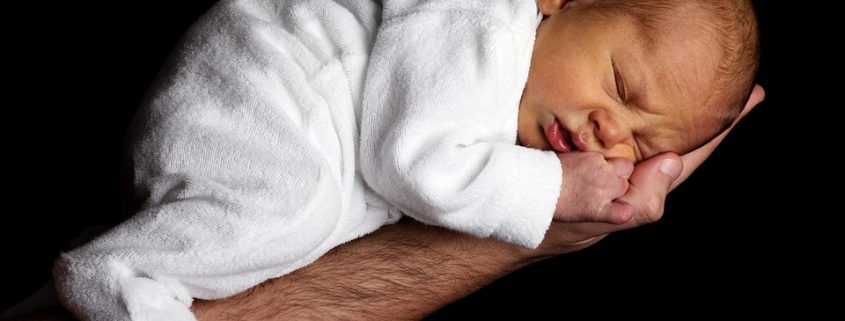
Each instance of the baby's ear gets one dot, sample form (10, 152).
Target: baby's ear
(550, 7)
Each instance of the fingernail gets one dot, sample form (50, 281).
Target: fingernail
(670, 167)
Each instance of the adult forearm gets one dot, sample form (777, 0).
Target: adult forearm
(401, 272)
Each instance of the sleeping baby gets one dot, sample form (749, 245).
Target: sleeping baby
(280, 129)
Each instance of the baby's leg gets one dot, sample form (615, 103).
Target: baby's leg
(233, 200)
(237, 159)
(228, 208)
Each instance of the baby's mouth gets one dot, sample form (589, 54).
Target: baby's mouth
(559, 138)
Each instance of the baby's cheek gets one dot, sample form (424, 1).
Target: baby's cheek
(621, 151)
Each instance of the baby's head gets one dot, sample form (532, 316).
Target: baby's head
(634, 78)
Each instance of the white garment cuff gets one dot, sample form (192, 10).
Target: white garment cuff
(528, 197)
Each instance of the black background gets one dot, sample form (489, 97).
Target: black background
(743, 234)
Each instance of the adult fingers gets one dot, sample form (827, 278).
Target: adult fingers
(649, 185)
(569, 237)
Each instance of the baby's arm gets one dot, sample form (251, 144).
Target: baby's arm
(439, 121)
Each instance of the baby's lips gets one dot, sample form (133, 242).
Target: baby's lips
(558, 138)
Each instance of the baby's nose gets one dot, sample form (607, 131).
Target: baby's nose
(606, 129)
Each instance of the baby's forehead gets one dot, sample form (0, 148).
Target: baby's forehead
(683, 66)
(680, 24)
(677, 68)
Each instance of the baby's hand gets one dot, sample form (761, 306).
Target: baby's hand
(590, 186)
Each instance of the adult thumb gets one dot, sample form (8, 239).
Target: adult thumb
(649, 185)
(671, 166)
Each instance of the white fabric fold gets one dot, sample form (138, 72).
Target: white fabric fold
(440, 116)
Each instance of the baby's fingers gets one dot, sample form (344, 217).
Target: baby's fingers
(622, 167)
(614, 212)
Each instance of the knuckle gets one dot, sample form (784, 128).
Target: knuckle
(621, 187)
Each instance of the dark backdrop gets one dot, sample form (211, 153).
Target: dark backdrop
(741, 234)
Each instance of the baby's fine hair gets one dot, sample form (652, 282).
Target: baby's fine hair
(734, 25)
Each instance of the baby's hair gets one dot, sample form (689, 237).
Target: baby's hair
(735, 26)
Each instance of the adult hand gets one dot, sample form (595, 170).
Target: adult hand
(651, 181)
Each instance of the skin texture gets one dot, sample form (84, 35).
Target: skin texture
(407, 271)
(611, 92)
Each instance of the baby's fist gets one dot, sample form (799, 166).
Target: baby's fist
(590, 185)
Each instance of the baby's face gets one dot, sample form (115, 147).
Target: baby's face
(595, 86)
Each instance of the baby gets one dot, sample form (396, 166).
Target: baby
(281, 129)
